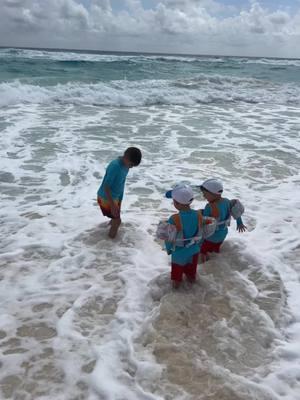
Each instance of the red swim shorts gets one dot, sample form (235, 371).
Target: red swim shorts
(210, 247)
(190, 270)
(105, 207)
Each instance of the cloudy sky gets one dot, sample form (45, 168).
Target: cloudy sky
(233, 27)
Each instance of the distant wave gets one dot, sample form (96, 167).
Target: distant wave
(272, 61)
(202, 89)
(94, 57)
(62, 56)
(89, 57)
(69, 56)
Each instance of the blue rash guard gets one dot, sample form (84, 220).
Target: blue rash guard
(222, 230)
(189, 222)
(115, 177)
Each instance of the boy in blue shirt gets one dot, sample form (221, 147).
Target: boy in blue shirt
(184, 259)
(110, 193)
(219, 208)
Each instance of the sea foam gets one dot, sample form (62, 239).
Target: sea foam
(215, 89)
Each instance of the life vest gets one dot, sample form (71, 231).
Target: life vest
(173, 233)
(214, 206)
(236, 210)
(166, 231)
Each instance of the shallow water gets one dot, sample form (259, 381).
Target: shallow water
(86, 318)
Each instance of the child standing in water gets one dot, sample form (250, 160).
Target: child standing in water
(219, 208)
(184, 258)
(111, 191)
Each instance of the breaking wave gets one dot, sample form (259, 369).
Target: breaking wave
(200, 90)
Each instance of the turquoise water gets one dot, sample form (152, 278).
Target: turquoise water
(163, 79)
(82, 317)
(57, 67)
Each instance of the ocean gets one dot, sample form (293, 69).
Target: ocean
(84, 317)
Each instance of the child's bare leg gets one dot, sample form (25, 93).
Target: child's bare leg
(204, 258)
(176, 284)
(114, 227)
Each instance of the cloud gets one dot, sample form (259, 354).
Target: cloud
(12, 3)
(279, 18)
(73, 12)
(193, 26)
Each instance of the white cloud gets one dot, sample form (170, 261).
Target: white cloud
(194, 26)
(279, 18)
(71, 11)
(13, 3)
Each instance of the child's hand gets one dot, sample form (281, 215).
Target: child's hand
(241, 228)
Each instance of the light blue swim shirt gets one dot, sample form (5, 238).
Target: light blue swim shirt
(222, 230)
(115, 177)
(189, 222)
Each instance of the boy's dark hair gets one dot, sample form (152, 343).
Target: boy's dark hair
(134, 155)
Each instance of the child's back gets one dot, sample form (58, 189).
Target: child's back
(222, 215)
(189, 223)
(184, 253)
(220, 209)
(115, 177)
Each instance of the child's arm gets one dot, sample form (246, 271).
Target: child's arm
(240, 226)
(114, 208)
(169, 245)
(169, 248)
(239, 222)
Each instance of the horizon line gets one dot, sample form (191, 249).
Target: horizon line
(90, 51)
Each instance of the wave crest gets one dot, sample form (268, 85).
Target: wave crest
(201, 89)
(69, 55)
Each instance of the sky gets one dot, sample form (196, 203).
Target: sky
(225, 27)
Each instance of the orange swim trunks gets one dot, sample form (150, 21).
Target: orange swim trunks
(105, 207)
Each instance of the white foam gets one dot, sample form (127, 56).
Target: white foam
(203, 89)
(59, 268)
(273, 61)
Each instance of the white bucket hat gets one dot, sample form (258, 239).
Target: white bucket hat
(213, 186)
(181, 193)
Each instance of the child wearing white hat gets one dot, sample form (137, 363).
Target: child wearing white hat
(184, 258)
(221, 209)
